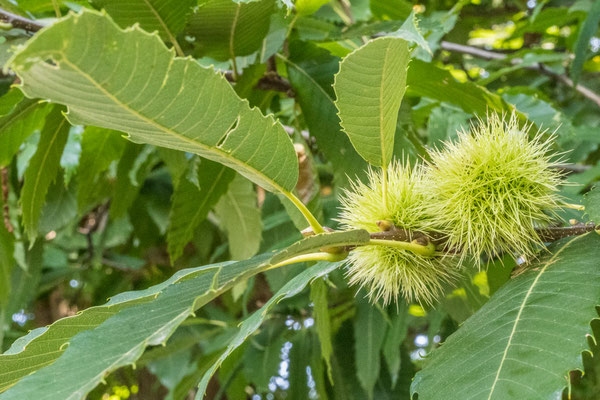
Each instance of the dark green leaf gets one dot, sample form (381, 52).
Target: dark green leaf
(133, 167)
(191, 204)
(167, 17)
(592, 204)
(369, 90)
(318, 295)
(252, 323)
(99, 148)
(225, 29)
(311, 72)
(20, 121)
(240, 217)
(369, 333)
(425, 79)
(43, 168)
(586, 32)
(392, 346)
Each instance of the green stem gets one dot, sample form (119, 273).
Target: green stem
(321, 256)
(574, 206)
(56, 8)
(427, 251)
(312, 221)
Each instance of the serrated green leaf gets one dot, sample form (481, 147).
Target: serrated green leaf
(524, 341)
(240, 217)
(43, 168)
(299, 360)
(307, 7)
(410, 31)
(121, 339)
(425, 79)
(135, 85)
(99, 148)
(369, 333)
(369, 90)
(311, 70)
(167, 17)
(191, 204)
(24, 281)
(263, 357)
(592, 204)
(586, 32)
(392, 346)
(133, 167)
(252, 323)
(104, 348)
(20, 121)
(225, 29)
(318, 295)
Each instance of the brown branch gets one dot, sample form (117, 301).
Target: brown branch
(546, 235)
(539, 67)
(19, 22)
(5, 209)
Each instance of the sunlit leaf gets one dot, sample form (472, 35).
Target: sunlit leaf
(153, 96)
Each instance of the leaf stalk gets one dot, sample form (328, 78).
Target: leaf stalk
(312, 221)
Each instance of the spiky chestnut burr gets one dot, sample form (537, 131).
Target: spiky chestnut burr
(490, 189)
(386, 271)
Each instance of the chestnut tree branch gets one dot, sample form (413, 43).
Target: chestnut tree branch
(539, 67)
(19, 22)
(549, 234)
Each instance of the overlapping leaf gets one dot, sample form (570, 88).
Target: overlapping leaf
(225, 29)
(311, 72)
(369, 90)
(134, 84)
(20, 118)
(252, 323)
(369, 335)
(99, 147)
(167, 17)
(586, 32)
(425, 79)
(192, 203)
(42, 169)
(524, 341)
(116, 334)
(240, 217)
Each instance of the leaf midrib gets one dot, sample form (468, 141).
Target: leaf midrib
(381, 116)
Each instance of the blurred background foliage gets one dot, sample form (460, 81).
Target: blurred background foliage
(109, 223)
